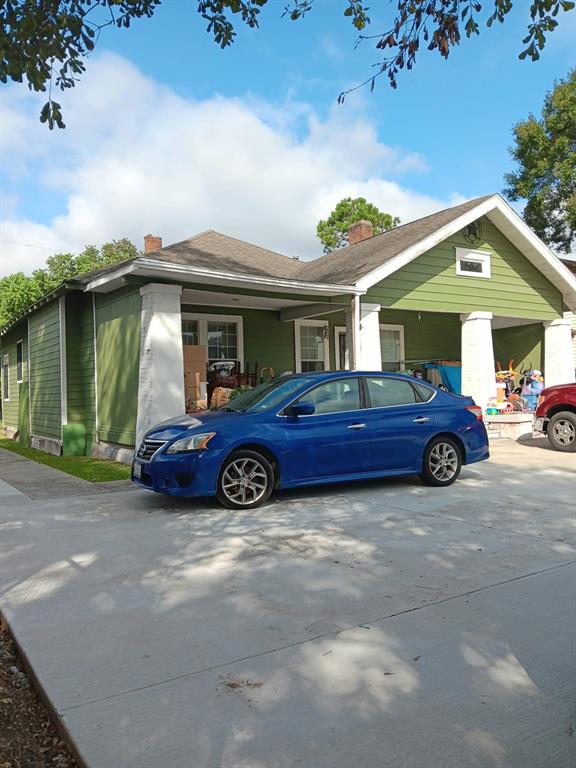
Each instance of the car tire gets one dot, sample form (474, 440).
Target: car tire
(245, 481)
(561, 431)
(442, 462)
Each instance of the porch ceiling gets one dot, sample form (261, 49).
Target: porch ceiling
(240, 301)
(511, 322)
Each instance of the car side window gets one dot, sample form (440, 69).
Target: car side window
(334, 396)
(385, 392)
(425, 392)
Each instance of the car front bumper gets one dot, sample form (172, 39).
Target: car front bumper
(181, 474)
(540, 424)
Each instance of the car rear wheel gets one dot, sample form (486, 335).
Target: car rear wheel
(442, 462)
(562, 431)
(246, 480)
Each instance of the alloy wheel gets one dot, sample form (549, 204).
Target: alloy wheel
(244, 481)
(564, 432)
(443, 461)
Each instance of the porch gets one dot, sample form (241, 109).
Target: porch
(280, 333)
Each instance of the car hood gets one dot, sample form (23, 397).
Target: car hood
(562, 387)
(184, 425)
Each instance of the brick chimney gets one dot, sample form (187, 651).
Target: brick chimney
(152, 243)
(360, 230)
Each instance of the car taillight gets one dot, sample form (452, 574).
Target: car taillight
(476, 410)
(541, 400)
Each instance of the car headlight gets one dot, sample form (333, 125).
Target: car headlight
(192, 443)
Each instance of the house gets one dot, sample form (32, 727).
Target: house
(91, 366)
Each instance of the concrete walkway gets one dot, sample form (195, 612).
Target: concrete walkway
(385, 624)
(39, 481)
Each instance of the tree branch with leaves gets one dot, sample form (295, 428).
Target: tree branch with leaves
(45, 43)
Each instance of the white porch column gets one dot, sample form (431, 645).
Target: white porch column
(558, 360)
(161, 377)
(478, 369)
(369, 357)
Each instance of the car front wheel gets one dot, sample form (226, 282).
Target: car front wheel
(442, 462)
(562, 431)
(246, 480)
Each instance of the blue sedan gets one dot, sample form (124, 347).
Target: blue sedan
(313, 428)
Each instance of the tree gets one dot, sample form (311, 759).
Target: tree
(333, 231)
(17, 291)
(545, 150)
(45, 43)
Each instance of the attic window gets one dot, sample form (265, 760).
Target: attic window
(471, 263)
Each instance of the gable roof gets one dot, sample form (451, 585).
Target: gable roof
(356, 261)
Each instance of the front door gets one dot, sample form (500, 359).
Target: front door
(333, 441)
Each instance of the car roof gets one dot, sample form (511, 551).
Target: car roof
(344, 374)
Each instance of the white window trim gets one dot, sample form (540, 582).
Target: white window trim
(297, 346)
(6, 363)
(400, 328)
(20, 381)
(203, 329)
(338, 329)
(468, 254)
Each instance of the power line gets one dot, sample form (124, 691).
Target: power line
(28, 245)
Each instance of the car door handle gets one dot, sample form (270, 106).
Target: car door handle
(356, 426)
(421, 420)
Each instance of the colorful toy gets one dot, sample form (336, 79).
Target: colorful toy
(492, 407)
(507, 376)
(532, 388)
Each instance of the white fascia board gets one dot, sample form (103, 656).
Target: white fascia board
(511, 225)
(100, 284)
(519, 233)
(152, 268)
(241, 281)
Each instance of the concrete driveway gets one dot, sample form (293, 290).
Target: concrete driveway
(384, 624)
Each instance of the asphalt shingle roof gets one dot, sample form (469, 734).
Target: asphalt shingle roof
(347, 265)
(221, 253)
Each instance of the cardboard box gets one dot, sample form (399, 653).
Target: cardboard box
(195, 365)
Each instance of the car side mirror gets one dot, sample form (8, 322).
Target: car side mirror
(302, 409)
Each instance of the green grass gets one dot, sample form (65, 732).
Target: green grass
(85, 467)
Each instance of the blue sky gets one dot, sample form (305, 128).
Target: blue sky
(163, 90)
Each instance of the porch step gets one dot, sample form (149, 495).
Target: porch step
(493, 434)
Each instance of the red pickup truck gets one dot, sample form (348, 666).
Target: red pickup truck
(556, 416)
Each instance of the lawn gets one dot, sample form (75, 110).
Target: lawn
(85, 467)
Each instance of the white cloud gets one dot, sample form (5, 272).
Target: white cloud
(138, 158)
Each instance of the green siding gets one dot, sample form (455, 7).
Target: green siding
(515, 289)
(81, 385)
(524, 344)
(268, 341)
(118, 360)
(15, 409)
(427, 335)
(44, 332)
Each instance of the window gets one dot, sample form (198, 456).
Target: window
(334, 396)
(5, 379)
(222, 338)
(392, 347)
(19, 362)
(472, 263)
(424, 392)
(311, 345)
(384, 393)
(270, 395)
(222, 335)
(190, 332)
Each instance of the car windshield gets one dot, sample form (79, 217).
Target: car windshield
(266, 395)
